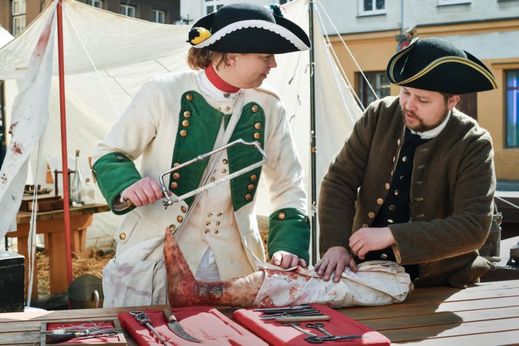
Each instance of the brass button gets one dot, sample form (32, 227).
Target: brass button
(257, 126)
(387, 186)
(248, 197)
(404, 159)
(390, 221)
(257, 135)
(183, 133)
(364, 225)
(281, 216)
(189, 97)
(187, 114)
(371, 215)
(172, 228)
(254, 108)
(174, 185)
(183, 209)
(253, 177)
(225, 161)
(122, 236)
(185, 123)
(180, 218)
(380, 201)
(176, 175)
(383, 256)
(392, 207)
(251, 187)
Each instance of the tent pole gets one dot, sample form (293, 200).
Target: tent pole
(313, 148)
(64, 153)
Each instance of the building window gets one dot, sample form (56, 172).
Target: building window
(370, 7)
(128, 10)
(379, 83)
(453, 2)
(210, 9)
(512, 109)
(95, 3)
(18, 13)
(159, 16)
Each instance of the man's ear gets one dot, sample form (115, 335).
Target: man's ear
(453, 101)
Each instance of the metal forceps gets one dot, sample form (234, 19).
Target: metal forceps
(143, 319)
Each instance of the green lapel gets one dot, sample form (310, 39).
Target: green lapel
(196, 134)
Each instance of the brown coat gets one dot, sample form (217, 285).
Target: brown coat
(452, 189)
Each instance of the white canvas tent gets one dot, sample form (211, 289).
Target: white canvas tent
(109, 56)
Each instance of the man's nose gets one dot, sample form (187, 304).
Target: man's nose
(409, 104)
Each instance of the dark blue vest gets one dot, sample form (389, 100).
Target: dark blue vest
(396, 204)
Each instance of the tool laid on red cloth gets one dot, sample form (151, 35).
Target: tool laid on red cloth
(176, 327)
(204, 323)
(142, 318)
(338, 330)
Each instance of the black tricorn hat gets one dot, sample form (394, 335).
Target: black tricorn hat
(247, 28)
(437, 65)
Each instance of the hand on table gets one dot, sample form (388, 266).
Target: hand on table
(286, 259)
(335, 260)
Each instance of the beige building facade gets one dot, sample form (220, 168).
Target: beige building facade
(493, 40)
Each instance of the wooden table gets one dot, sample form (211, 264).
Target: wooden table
(486, 314)
(51, 224)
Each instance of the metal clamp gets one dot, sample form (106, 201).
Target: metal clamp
(167, 198)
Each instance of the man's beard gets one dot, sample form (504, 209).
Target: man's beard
(421, 127)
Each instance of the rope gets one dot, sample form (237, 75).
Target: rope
(91, 62)
(331, 51)
(505, 201)
(348, 50)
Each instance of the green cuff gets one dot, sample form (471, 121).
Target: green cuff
(114, 173)
(289, 230)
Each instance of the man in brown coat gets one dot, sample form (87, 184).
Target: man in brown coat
(415, 181)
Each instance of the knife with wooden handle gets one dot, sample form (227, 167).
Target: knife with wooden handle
(176, 327)
(302, 318)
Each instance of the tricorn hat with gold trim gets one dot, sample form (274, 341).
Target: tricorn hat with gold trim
(435, 64)
(247, 28)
